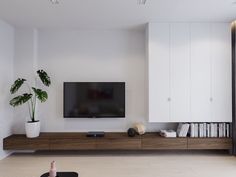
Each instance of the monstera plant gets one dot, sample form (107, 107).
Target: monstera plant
(30, 97)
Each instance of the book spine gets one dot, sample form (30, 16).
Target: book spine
(224, 129)
(179, 129)
(220, 130)
(187, 129)
(208, 130)
(227, 131)
(216, 130)
(201, 130)
(192, 130)
(211, 130)
(196, 130)
(204, 130)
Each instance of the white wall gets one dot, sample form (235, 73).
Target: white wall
(70, 55)
(24, 67)
(6, 78)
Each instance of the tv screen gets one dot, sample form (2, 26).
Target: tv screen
(94, 99)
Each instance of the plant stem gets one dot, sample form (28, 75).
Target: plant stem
(34, 102)
(31, 109)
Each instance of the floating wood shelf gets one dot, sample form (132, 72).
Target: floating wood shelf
(111, 141)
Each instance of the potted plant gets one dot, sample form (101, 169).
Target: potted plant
(32, 127)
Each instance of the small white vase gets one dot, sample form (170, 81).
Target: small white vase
(32, 129)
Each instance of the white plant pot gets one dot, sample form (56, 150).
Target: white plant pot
(32, 129)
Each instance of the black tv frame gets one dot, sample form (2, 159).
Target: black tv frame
(95, 117)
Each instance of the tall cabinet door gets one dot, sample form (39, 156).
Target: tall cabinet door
(200, 73)
(159, 74)
(221, 72)
(180, 72)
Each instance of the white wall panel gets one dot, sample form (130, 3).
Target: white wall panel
(159, 74)
(180, 72)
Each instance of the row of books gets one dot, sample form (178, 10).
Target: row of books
(202, 130)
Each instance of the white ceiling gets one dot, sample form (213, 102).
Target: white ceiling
(110, 14)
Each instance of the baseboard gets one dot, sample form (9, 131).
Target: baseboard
(25, 151)
(6, 154)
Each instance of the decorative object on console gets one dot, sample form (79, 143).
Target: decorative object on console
(140, 128)
(32, 127)
(131, 132)
(168, 133)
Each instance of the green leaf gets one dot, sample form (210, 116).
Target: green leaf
(17, 84)
(40, 94)
(21, 99)
(44, 77)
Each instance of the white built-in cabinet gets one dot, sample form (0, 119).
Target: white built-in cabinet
(201, 66)
(189, 72)
(159, 72)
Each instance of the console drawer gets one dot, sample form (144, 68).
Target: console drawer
(209, 143)
(72, 144)
(118, 144)
(157, 142)
(23, 143)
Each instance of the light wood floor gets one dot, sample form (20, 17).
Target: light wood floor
(123, 164)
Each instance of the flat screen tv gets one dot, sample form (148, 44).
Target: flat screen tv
(94, 99)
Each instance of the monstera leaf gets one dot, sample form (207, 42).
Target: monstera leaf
(40, 94)
(17, 84)
(44, 77)
(21, 99)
